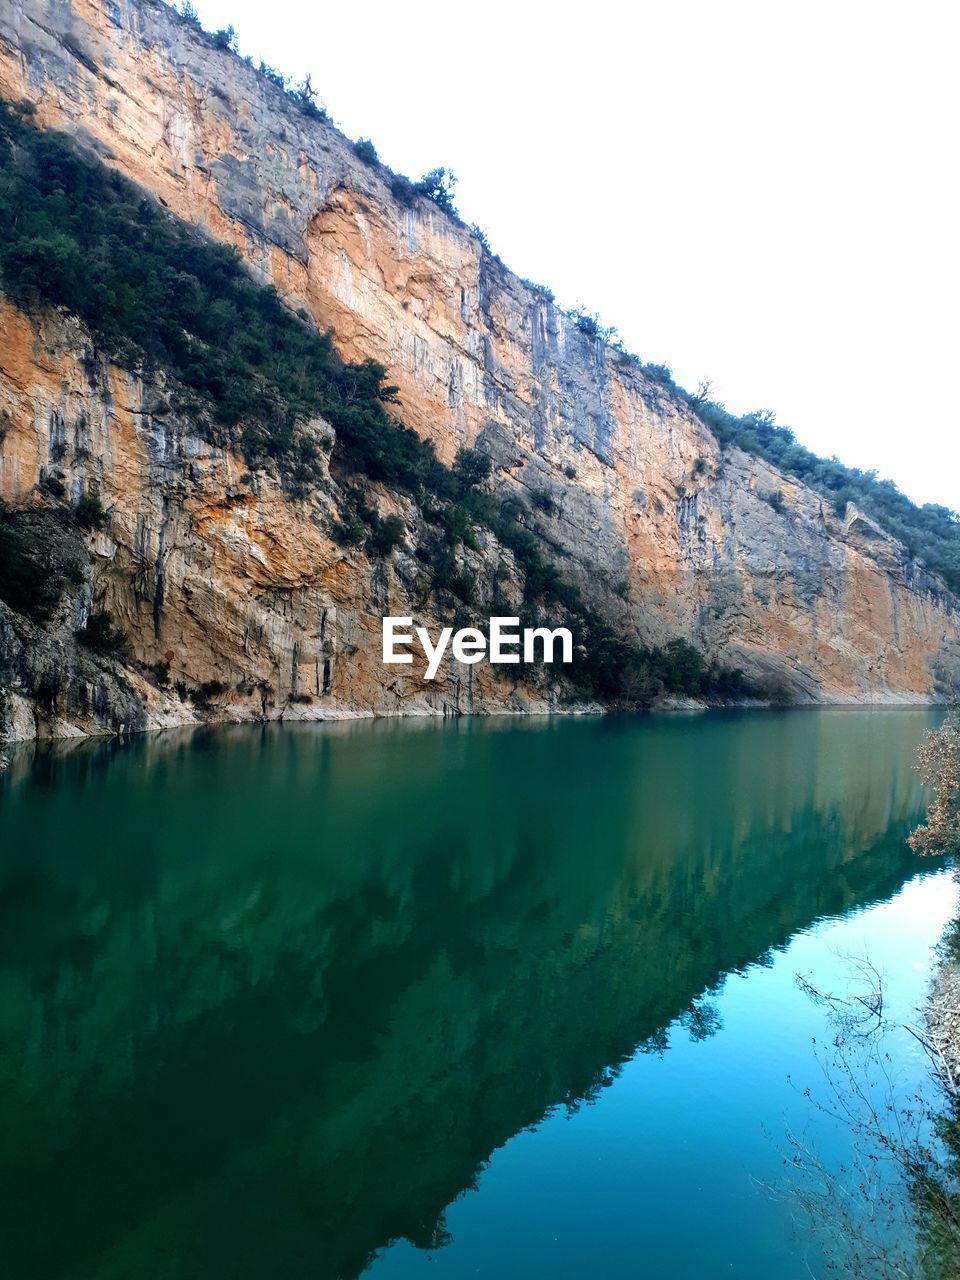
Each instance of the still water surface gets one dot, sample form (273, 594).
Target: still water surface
(507, 999)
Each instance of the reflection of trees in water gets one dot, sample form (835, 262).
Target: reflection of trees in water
(891, 1209)
(701, 1020)
(273, 999)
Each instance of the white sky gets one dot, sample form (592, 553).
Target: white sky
(762, 194)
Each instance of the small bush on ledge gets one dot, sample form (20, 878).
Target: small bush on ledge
(364, 150)
(201, 696)
(89, 513)
(101, 636)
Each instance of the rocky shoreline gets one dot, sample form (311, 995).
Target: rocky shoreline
(21, 723)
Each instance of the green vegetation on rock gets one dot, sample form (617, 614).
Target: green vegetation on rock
(930, 532)
(40, 555)
(160, 297)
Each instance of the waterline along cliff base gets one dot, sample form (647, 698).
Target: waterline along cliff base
(258, 393)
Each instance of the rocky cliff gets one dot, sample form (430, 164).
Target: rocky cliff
(220, 581)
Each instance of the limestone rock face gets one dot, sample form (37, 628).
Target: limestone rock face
(235, 601)
(664, 532)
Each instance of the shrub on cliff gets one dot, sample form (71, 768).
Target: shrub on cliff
(39, 559)
(189, 14)
(661, 373)
(272, 74)
(89, 513)
(939, 764)
(930, 532)
(681, 667)
(592, 327)
(364, 150)
(203, 695)
(402, 189)
(386, 535)
(471, 469)
(225, 38)
(100, 635)
(305, 96)
(438, 185)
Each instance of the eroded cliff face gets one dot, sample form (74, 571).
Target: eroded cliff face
(213, 573)
(663, 531)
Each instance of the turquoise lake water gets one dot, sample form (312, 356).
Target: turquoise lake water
(506, 998)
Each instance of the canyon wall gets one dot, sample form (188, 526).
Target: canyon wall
(665, 532)
(211, 571)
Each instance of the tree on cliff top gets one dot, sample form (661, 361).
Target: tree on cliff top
(438, 185)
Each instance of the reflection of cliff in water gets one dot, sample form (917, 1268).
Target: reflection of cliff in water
(270, 999)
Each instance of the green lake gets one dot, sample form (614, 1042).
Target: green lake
(505, 998)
